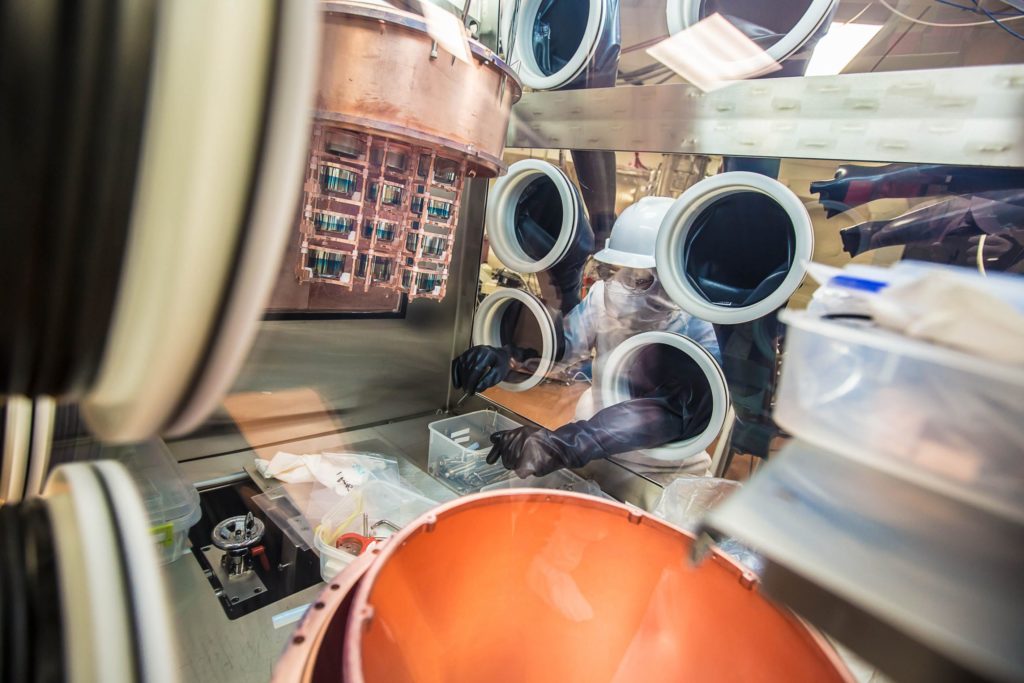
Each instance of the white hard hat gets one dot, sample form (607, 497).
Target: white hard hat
(635, 234)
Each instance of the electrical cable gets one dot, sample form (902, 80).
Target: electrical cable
(922, 22)
(999, 22)
(976, 9)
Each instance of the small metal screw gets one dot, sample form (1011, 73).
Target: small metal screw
(234, 601)
(257, 590)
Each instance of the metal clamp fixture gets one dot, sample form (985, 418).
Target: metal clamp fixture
(237, 537)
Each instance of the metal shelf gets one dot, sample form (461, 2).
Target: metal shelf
(925, 587)
(965, 116)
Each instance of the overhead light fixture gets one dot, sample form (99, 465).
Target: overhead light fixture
(839, 46)
(712, 54)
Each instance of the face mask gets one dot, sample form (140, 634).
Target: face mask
(620, 300)
(636, 309)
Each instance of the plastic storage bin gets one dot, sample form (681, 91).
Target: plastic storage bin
(390, 505)
(941, 417)
(459, 446)
(562, 480)
(171, 500)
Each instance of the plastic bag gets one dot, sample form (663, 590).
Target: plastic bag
(948, 305)
(686, 500)
(339, 472)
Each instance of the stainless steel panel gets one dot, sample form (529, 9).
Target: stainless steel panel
(925, 587)
(365, 371)
(212, 648)
(967, 116)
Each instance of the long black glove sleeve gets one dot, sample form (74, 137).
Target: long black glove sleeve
(635, 424)
(857, 185)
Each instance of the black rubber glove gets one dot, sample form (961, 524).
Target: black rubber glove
(627, 426)
(482, 367)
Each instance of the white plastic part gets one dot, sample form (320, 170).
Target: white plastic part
(17, 436)
(529, 71)
(275, 199)
(94, 604)
(501, 215)
(487, 330)
(154, 628)
(634, 236)
(682, 14)
(206, 104)
(43, 417)
(689, 206)
(615, 388)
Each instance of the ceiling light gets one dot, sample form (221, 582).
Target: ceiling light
(839, 46)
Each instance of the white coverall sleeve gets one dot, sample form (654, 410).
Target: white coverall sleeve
(578, 327)
(703, 333)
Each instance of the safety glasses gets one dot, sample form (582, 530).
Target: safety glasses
(637, 279)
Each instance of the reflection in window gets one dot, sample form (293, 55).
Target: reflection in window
(325, 264)
(411, 242)
(345, 144)
(361, 266)
(445, 171)
(334, 179)
(434, 246)
(423, 167)
(427, 281)
(395, 161)
(381, 268)
(328, 222)
(439, 209)
(416, 205)
(385, 230)
(392, 195)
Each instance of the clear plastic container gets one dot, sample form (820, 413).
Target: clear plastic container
(297, 507)
(941, 417)
(285, 512)
(171, 500)
(459, 446)
(562, 480)
(388, 507)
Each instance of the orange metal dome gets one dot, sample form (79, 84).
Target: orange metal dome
(535, 586)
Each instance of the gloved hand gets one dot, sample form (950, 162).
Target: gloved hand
(529, 450)
(481, 367)
(627, 426)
